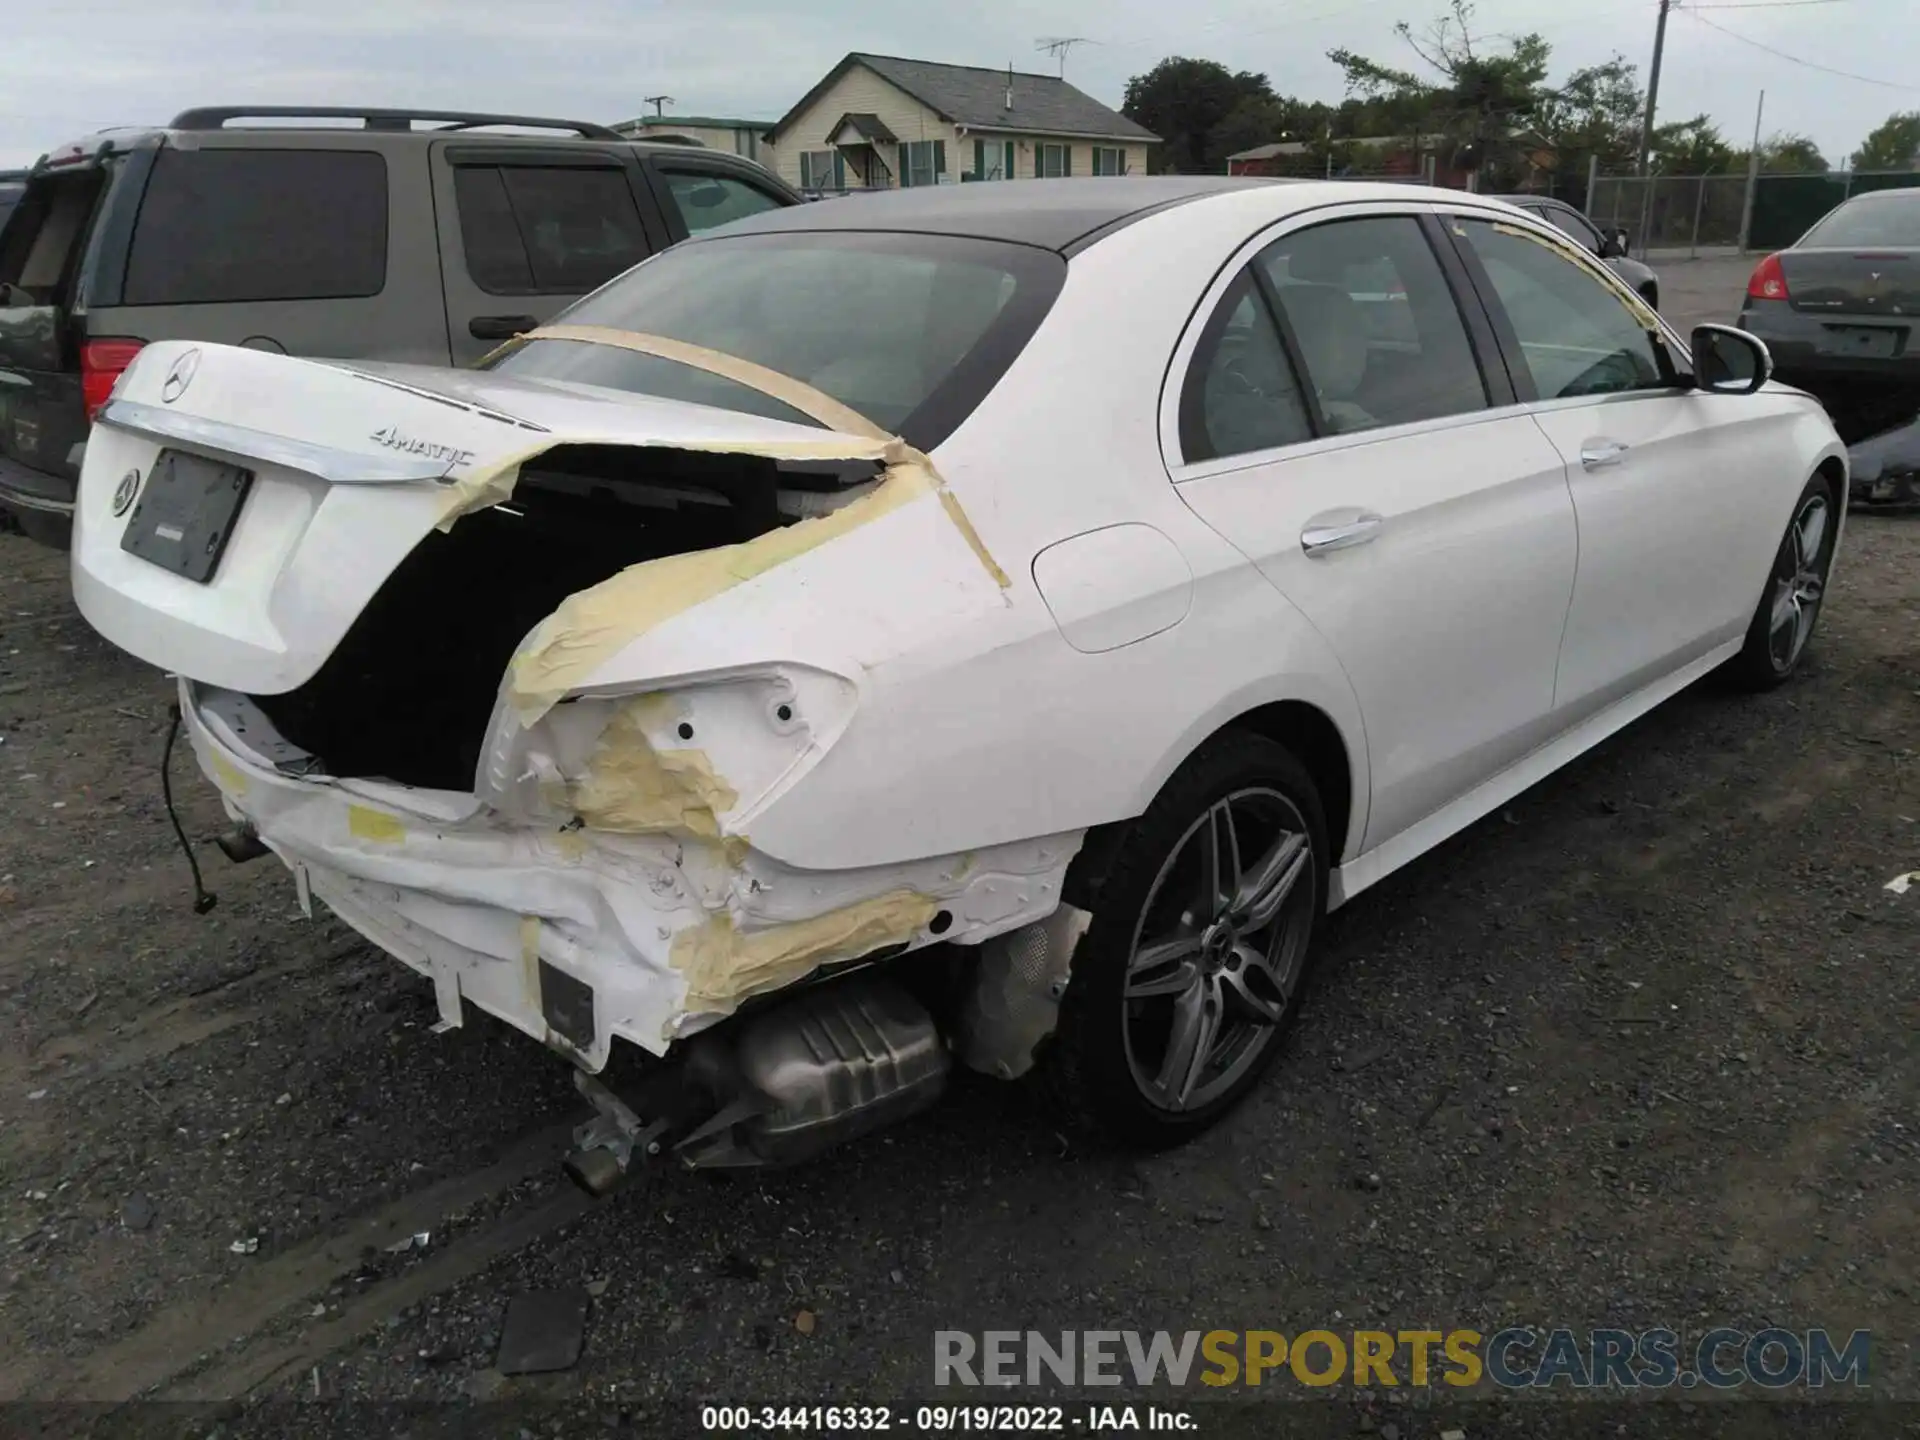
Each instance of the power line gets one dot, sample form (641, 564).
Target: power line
(1761, 4)
(1797, 60)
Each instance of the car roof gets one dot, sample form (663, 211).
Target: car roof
(1051, 214)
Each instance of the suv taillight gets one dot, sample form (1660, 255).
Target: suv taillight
(101, 362)
(1769, 281)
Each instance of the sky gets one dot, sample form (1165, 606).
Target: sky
(73, 67)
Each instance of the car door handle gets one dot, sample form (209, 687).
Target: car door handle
(1596, 454)
(500, 327)
(1340, 529)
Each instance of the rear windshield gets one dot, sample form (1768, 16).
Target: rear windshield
(911, 331)
(1869, 221)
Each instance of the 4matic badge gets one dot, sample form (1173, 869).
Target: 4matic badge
(394, 438)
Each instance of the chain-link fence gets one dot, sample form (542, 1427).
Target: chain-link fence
(1706, 212)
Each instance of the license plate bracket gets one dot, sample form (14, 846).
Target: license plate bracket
(1875, 342)
(186, 513)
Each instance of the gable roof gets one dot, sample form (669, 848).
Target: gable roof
(865, 124)
(976, 97)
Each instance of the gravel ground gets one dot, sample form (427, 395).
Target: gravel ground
(1638, 1051)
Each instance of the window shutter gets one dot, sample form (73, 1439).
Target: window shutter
(939, 160)
(1066, 158)
(1007, 173)
(979, 159)
(839, 169)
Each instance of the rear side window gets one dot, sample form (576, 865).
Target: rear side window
(219, 226)
(1374, 322)
(546, 229)
(1242, 394)
(709, 200)
(41, 245)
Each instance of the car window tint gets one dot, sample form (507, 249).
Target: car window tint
(1892, 220)
(1241, 393)
(547, 229)
(232, 225)
(1374, 322)
(1579, 337)
(708, 200)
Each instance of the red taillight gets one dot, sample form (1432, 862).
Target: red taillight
(1769, 281)
(101, 362)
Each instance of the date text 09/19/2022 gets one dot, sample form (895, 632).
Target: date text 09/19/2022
(947, 1419)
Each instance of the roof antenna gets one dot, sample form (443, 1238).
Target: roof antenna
(658, 102)
(1058, 46)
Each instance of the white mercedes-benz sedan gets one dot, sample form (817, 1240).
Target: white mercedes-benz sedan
(987, 624)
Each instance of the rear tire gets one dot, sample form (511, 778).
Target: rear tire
(1190, 973)
(1789, 609)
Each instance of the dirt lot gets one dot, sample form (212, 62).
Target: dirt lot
(1638, 1051)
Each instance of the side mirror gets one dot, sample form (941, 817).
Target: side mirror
(1727, 361)
(1613, 245)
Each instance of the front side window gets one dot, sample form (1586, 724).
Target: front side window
(1053, 160)
(706, 201)
(1578, 336)
(219, 225)
(546, 229)
(1241, 394)
(932, 323)
(1374, 322)
(1109, 160)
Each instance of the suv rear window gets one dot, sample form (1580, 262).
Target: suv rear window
(222, 225)
(546, 229)
(912, 331)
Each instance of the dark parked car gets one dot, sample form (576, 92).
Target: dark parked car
(408, 236)
(1839, 310)
(1611, 248)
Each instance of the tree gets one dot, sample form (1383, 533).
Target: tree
(1894, 144)
(1481, 100)
(1595, 112)
(1790, 154)
(1187, 102)
(1691, 147)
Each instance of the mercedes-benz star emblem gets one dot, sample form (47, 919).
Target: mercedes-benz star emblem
(179, 377)
(124, 492)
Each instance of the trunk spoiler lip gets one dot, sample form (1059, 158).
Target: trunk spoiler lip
(245, 445)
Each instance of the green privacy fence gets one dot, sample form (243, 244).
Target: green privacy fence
(1665, 212)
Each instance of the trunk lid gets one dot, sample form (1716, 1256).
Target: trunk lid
(238, 509)
(1868, 282)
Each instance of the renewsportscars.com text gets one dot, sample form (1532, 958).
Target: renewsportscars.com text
(1515, 1358)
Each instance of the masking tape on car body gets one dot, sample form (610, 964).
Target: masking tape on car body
(633, 789)
(594, 624)
(723, 966)
(1642, 312)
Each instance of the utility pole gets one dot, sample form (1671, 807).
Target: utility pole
(1653, 84)
(1058, 46)
(658, 102)
(1753, 176)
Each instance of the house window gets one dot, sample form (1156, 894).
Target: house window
(1050, 160)
(992, 160)
(1109, 160)
(822, 170)
(922, 162)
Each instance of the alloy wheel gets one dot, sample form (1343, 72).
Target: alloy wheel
(1219, 949)
(1799, 583)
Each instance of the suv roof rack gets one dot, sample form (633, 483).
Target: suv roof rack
(215, 117)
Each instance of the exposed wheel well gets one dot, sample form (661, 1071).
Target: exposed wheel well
(1305, 730)
(1650, 292)
(1835, 472)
